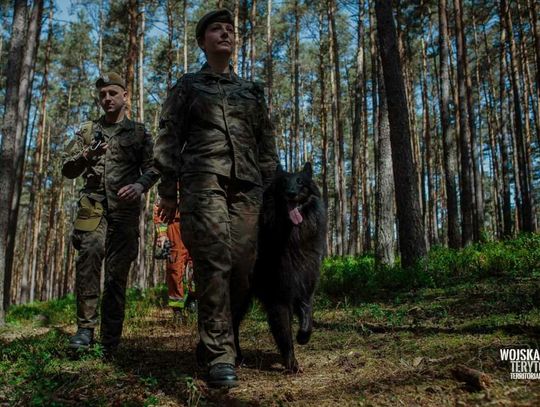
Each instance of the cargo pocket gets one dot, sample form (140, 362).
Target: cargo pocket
(89, 214)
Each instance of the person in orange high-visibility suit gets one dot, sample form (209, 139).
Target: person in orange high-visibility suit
(169, 246)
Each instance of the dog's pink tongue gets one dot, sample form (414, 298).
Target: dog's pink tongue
(296, 216)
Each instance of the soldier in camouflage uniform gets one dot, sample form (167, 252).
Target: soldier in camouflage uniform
(216, 138)
(114, 156)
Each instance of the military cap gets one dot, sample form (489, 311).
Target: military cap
(89, 215)
(222, 16)
(110, 78)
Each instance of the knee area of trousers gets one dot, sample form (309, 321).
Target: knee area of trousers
(93, 248)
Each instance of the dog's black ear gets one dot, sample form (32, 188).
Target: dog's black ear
(307, 169)
(279, 169)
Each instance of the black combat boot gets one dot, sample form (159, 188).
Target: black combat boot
(82, 339)
(222, 375)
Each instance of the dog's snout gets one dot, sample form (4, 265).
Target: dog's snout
(291, 194)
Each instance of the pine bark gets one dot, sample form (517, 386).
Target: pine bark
(100, 37)
(337, 129)
(269, 59)
(8, 147)
(296, 87)
(527, 222)
(384, 194)
(170, 41)
(357, 135)
(237, 41)
(532, 6)
(252, 39)
(411, 231)
(476, 146)
(145, 208)
(23, 107)
(185, 34)
(504, 142)
(131, 57)
(467, 192)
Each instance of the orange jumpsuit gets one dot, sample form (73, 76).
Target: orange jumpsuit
(178, 283)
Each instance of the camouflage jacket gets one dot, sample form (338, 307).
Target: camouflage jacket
(127, 160)
(216, 124)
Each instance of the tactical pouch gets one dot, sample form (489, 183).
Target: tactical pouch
(89, 215)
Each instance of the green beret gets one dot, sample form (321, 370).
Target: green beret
(110, 78)
(222, 16)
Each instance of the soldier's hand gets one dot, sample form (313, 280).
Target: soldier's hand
(167, 209)
(131, 192)
(161, 240)
(89, 153)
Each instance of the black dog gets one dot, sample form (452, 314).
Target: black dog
(292, 239)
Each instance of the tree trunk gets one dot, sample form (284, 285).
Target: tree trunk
(429, 222)
(185, 33)
(366, 201)
(357, 134)
(142, 268)
(8, 147)
(493, 126)
(269, 59)
(100, 37)
(296, 87)
(532, 6)
(338, 135)
(384, 194)
(252, 48)
(36, 193)
(411, 232)
(131, 57)
(170, 42)
(243, 44)
(527, 213)
(467, 198)
(23, 107)
(504, 142)
(476, 147)
(236, 35)
(323, 118)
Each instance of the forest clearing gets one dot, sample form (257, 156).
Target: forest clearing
(394, 350)
(421, 124)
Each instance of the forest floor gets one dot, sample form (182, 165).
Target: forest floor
(399, 351)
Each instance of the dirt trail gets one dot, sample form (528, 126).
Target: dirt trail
(344, 364)
(391, 353)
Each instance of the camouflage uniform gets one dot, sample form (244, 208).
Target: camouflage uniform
(107, 227)
(215, 136)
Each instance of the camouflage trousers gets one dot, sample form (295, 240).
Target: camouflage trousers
(115, 240)
(219, 221)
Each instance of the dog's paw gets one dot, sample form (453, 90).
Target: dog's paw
(302, 337)
(293, 368)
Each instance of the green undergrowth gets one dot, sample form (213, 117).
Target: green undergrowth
(37, 368)
(62, 311)
(459, 307)
(359, 279)
(41, 370)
